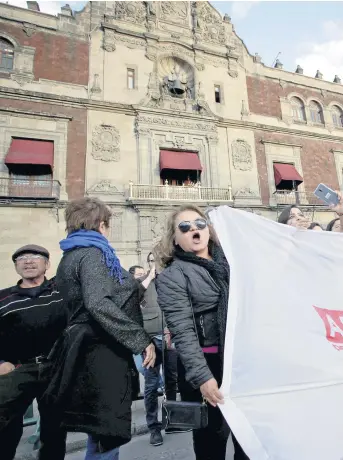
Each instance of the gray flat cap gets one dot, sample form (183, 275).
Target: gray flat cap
(32, 249)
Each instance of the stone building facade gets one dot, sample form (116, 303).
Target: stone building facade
(148, 105)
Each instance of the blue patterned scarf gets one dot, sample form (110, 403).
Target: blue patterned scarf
(90, 238)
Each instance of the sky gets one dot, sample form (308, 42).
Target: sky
(308, 33)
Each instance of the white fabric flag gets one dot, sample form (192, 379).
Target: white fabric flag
(283, 367)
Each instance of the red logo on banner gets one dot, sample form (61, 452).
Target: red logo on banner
(333, 321)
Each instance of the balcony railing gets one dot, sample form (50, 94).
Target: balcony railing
(29, 189)
(178, 193)
(286, 197)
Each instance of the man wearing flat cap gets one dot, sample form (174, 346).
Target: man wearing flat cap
(32, 317)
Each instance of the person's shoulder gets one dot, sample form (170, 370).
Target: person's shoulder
(5, 293)
(173, 270)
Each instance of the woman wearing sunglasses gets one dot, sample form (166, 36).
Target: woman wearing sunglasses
(193, 291)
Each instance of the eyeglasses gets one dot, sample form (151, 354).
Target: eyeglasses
(33, 257)
(186, 225)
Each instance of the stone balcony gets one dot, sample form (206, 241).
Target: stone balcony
(142, 193)
(25, 189)
(286, 197)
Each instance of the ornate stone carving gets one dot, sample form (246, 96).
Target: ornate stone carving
(174, 12)
(175, 123)
(109, 40)
(130, 42)
(96, 84)
(134, 12)
(212, 138)
(116, 226)
(22, 78)
(209, 24)
(104, 187)
(232, 68)
(29, 29)
(200, 66)
(241, 155)
(106, 143)
(157, 227)
(179, 142)
(246, 192)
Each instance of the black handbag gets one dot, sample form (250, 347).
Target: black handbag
(183, 415)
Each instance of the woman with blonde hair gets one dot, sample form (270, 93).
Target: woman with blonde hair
(193, 292)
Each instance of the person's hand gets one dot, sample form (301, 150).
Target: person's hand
(6, 368)
(152, 273)
(338, 209)
(149, 355)
(211, 393)
(167, 338)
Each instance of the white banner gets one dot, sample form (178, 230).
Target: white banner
(283, 369)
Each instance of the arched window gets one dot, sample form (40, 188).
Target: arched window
(6, 55)
(298, 109)
(337, 116)
(316, 113)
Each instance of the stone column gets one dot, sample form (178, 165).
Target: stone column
(144, 155)
(213, 180)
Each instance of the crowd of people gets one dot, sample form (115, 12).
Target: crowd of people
(75, 342)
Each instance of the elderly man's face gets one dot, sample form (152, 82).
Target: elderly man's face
(31, 266)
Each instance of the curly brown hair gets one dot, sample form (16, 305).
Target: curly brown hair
(165, 248)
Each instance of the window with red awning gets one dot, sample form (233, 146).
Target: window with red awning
(180, 167)
(286, 176)
(30, 152)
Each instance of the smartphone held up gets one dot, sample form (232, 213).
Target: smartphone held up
(327, 195)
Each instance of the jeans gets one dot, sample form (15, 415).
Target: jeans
(139, 365)
(152, 383)
(209, 443)
(94, 451)
(18, 389)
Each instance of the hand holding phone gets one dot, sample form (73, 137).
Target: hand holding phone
(327, 195)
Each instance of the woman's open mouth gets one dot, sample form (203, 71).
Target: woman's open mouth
(196, 237)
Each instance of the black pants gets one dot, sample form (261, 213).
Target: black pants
(152, 381)
(18, 389)
(209, 443)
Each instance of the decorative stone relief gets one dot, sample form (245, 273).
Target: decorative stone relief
(106, 143)
(96, 84)
(134, 12)
(175, 123)
(176, 12)
(116, 226)
(23, 65)
(209, 24)
(179, 142)
(109, 40)
(104, 187)
(29, 29)
(246, 192)
(157, 227)
(131, 42)
(22, 78)
(241, 155)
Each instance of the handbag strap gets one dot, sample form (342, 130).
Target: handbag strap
(164, 343)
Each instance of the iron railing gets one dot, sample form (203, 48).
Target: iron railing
(29, 189)
(287, 197)
(178, 193)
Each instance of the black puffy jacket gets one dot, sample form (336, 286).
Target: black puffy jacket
(181, 286)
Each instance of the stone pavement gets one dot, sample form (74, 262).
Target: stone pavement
(175, 447)
(77, 441)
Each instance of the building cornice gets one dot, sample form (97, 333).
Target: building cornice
(42, 115)
(79, 103)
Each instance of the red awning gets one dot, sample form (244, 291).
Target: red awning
(188, 161)
(30, 151)
(286, 172)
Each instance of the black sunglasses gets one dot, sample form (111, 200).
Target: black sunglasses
(186, 225)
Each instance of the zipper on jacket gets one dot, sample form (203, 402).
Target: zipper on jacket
(202, 325)
(213, 280)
